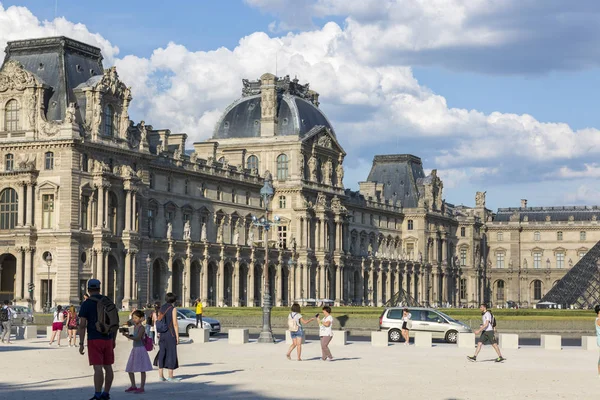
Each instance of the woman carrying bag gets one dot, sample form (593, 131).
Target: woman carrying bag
(406, 325)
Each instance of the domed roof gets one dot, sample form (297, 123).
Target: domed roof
(296, 112)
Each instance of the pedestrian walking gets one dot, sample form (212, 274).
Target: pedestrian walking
(57, 325)
(406, 325)
(166, 325)
(101, 337)
(325, 333)
(72, 326)
(6, 317)
(153, 332)
(487, 334)
(295, 326)
(597, 309)
(198, 305)
(139, 361)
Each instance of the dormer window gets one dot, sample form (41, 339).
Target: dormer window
(11, 116)
(109, 123)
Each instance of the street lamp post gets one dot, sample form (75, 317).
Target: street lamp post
(48, 263)
(148, 265)
(266, 193)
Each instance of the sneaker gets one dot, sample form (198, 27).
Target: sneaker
(500, 359)
(472, 358)
(174, 379)
(139, 391)
(131, 389)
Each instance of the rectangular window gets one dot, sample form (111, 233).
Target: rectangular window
(463, 257)
(582, 235)
(169, 216)
(463, 232)
(49, 160)
(47, 211)
(500, 260)
(410, 225)
(410, 249)
(559, 236)
(537, 260)
(463, 288)
(84, 212)
(150, 223)
(560, 260)
(282, 236)
(500, 236)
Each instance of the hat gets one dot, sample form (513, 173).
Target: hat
(93, 284)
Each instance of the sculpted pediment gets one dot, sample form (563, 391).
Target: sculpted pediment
(321, 136)
(14, 76)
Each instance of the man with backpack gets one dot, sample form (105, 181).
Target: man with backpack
(487, 329)
(99, 318)
(6, 315)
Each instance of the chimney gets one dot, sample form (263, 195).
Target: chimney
(268, 105)
(523, 203)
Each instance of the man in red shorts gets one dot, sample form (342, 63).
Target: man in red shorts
(100, 347)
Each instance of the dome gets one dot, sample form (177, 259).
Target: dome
(296, 112)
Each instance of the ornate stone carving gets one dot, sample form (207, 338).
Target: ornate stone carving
(339, 173)
(169, 231)
(327, 171)
(203, 234)
(321, 200)
(480, 199)
(312, 167)
(15, 77)
(187, 231)
(324, 141)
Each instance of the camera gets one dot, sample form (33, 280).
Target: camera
(317, 315)
(123, 329)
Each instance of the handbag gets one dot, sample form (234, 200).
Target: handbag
(409, 324)
(148, 343)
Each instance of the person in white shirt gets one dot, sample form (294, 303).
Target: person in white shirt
(406, 325)
(487, 334)
(6, 322)
(325, 333)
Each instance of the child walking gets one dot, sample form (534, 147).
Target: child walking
(139, 361)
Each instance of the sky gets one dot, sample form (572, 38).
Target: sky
(497, 95)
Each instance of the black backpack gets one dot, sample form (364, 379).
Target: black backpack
(493, 320)
(3, 314)
(108, 316)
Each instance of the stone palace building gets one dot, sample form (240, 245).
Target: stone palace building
(86, 192)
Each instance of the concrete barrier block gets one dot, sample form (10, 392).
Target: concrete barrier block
(288, 338)
(551, 342)
(63, 333)
(340, 338)
(200, 335)
(30, 332)
(379, 339)
(466, 340)
(589, 343)
(423, 339)
(508, 341)
(238, 336)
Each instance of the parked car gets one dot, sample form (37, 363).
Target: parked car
(187, 320)
(23, 315)
(423, 319)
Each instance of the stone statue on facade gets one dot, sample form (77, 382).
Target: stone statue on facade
(525, 263)
(169, 231)
(301, 165)
(339, 173)
(143, 133)
(327, 171)
(70, 113)
(251, 237)
(293, 243)
(510, 263)
(321, 200)
(570, 263)
(312, 168)
(203, 234)
(480, 199)
(236, 236)
(220, 233)
(420, 257)
(187, 231)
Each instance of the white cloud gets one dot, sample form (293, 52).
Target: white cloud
(584, 194)
(590, 171)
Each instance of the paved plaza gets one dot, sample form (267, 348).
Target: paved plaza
(33, 370)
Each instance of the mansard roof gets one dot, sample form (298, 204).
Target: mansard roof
(400, 174)
(539, 214)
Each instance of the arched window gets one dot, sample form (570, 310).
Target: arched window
(537, 290)
(463, 231)
(11, 116)
(282, 202)
(282, 167)
(9, 162)
(252, 163)
(109, 120)
(8, 209)
(222, 160)
(500, 291)
(49, 160)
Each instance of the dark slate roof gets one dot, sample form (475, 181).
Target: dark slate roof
(560, 213)
(295, 116)
(399, 174)
(62, 64)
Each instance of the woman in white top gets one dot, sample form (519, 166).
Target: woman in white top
(325, 333)
(299, 333)
(57, 325)
(406, 322)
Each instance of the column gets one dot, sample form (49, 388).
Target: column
(100, 206)
(105, 270)
(405, 279)
(134, 212)
(306, 280)
(235, 290)
(90, 214)
(105, 212)
(135, 284)
(19, 274)
(28, 266)
(128, 280)
(445, 251)
(307, 231)
(388, 290)
(338, 285)
(370, 288)
(204, 284)
(397, 280)
(128, 210)
(299, 238)
(30, 206)
(444, 278)
(187, 278)
(220, 289)
(21, 204)
(379, 287)
(278, 282)
(170, 274)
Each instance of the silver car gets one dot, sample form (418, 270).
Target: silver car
(439, 324)
(22, 315)
(187, 320)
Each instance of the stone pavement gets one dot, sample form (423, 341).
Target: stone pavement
(33, 370)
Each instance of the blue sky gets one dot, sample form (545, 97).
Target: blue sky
(466, 87)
